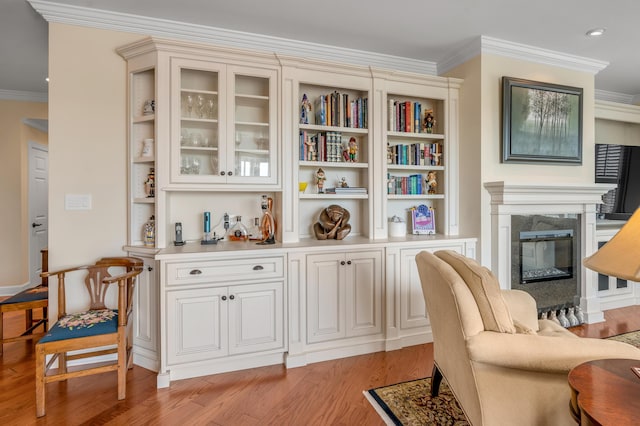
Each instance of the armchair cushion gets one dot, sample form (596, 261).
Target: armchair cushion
(83, 324)
(485, 289)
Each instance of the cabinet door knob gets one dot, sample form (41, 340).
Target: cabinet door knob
(195, 272)
(342, 263)
(149, 268)
(232, 297)
(224, 297)
(348, 262)
(230, 173)
(258, 268)
(222, 173)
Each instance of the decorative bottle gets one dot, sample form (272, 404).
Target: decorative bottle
(238, 232)
(149, 232)
(268, 221)
(255, 233)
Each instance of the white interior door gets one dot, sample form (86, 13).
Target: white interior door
(38, 208)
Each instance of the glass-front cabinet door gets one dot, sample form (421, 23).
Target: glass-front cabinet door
(253, 118)
(224, 123)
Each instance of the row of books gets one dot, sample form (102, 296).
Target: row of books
(416, 154)
(406, 185)
(406, 116)
(338, 110)
(322, 146)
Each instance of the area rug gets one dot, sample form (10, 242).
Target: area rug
(410, 403)
(632, 338)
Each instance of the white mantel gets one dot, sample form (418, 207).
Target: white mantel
(509, 199)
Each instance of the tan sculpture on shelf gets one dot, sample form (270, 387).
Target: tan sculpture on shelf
(333, 223)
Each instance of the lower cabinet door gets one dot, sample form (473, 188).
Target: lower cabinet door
(198, 324)
(256, 317)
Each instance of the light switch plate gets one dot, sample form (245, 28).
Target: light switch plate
(77, 202)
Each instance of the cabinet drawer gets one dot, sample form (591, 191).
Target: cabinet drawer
(225, 271)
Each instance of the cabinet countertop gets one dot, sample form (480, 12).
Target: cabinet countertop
(251, 248)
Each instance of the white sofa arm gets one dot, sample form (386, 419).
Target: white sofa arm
(522, 307)
(543, 353)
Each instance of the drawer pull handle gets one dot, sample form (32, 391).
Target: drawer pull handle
(258, 268)
(195, 272)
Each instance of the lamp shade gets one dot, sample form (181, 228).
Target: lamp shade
(620, 257)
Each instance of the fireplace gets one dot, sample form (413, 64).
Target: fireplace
(546, 255)
(543, 258)
(552, 204)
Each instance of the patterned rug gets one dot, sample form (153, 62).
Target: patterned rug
(410, 403)
(632, 338)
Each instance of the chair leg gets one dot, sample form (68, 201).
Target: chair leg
(122, 370)
(436, 379)
(1, 332)
(40, 373)
(28, 318)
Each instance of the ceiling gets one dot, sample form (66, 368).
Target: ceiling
(425, 30)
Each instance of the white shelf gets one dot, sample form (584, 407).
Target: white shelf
(143, 160)
(318, 128)
(333, 196)
(410, 167)
(146, 200)
(203, 92)
(415, 196)
(144, 118)
(413, 135)
(337, 164)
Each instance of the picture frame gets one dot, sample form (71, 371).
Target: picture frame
(541, 122)
(423, 220)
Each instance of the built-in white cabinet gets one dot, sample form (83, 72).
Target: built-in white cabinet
(216, 322)
(145, 314)
(224, 123)
(221, 313)
(344, 295)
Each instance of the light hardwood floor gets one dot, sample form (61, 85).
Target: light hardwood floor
(326, 393)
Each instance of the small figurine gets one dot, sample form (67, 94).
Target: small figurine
(149, 107)
(429, 121)
(311, 150)
(353, 150)
(343, 183)
(305, 110)
(150, 184)
(431, 182)
(320, 178)
(436, 158)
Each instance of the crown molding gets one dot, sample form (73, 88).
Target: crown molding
(603, 95)
(24, 96)
(102, 19)
(494, 46)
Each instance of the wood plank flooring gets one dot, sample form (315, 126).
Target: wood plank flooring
(326, 393)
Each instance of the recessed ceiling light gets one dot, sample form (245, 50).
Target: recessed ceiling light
(596, 32)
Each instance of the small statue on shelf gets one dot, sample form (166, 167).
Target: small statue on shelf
(320, 178)
(350, 151)
(150, 184)
(343, 183)
(429, 121)
(432, 182)
(333, 223)
(305, 110)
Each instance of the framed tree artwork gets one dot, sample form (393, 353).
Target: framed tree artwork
(541, 122)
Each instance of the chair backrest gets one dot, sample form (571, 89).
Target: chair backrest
(454, 316)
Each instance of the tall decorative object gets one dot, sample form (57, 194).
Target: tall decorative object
(305, 110)
(333, 223)
(320, 178)
(432, 182)
(268, 221)
(150, 184)
(149, 232)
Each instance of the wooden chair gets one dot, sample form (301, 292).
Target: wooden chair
(27, 301)
(92, 330)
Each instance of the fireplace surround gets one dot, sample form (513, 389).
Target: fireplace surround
(575, 201)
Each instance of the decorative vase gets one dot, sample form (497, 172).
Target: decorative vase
(268, 221)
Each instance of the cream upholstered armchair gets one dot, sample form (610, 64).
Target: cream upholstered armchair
(504, 365)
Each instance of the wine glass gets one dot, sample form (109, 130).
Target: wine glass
(200, 101)
(210, 105)
(189, 104)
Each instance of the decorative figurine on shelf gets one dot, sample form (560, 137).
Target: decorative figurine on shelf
(149, 107)
(429, 121)
(312, 155)
(333, 223)
(343, 183)
(320, 178)
(432, 182)
(350, 151)
(436, 158)
(149, 232)
(150, 184)
(305, 110)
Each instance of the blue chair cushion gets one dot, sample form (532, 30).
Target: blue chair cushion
(30, 295)
(83, 324)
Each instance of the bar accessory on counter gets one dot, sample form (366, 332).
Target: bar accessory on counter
(268, 221)
(208, 238)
